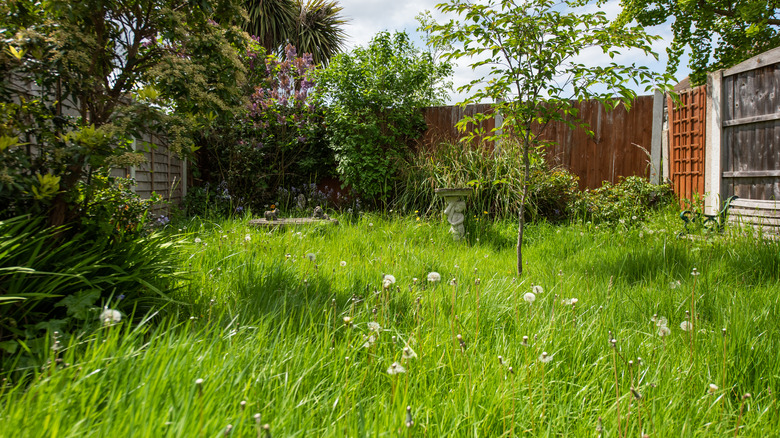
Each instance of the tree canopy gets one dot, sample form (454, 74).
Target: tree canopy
(717, 33)
(81, 79)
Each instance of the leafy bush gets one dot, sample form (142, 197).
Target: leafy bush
(114, 210)
(374, 95)
(631, 198)
(496, 178)
(52, 281)
(278, 140)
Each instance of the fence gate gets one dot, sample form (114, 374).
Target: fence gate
(687, 120)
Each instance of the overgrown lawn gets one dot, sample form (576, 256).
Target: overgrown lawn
(296, 325)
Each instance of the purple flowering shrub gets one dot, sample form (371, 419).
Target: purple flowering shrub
(280, 139)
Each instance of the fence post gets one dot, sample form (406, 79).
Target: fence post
(655, 142)
(712, 142)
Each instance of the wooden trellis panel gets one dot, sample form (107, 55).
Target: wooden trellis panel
(687, 120)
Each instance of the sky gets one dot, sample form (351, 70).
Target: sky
(367, 17)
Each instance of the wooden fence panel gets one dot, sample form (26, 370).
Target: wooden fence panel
(609, 154)
(441, 121)
(687, 121)
(620, 145)
(162, 173)
(751, 133)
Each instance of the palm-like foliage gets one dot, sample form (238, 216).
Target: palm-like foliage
(313, 26)
(319, 29)
(272, 21)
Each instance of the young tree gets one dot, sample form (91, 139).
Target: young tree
(718, 33)
(533, 51)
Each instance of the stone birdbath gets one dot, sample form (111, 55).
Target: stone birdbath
(456, 207)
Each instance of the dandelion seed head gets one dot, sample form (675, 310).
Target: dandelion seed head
(529, 297)
(686, 326)
(545, 358)
(374, 326)
(664, 331)
(110, 316)
(525, 341)
(695, 272)
(343, 263)
(453, 282)
(396, 368)
(347, 319)
(538, 290)
(408, 353)
(247, 238)
(712, 388)
(197, 240)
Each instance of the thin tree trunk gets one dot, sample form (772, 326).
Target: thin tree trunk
(521, 216)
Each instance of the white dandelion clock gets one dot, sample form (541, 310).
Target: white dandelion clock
(369, 341)
(712, 388)
(374, 327)
(544, 357)
(311, 256)
(343, 263)
(408, 353)
(686, 326)
(529, 297)
(396, 368)
(664, 331)
(197, 240)
(247, 238)
(387, 281)
(538, 290)
(434, 277)
(110, 316)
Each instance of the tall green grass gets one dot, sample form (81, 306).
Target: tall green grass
(289, 334)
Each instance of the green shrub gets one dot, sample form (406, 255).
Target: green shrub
(374, 95)
(277, 141)
(50, 280)
(631, 198)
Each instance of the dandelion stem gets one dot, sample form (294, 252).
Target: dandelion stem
(617, 387)
(723, 385)
(741, 408)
